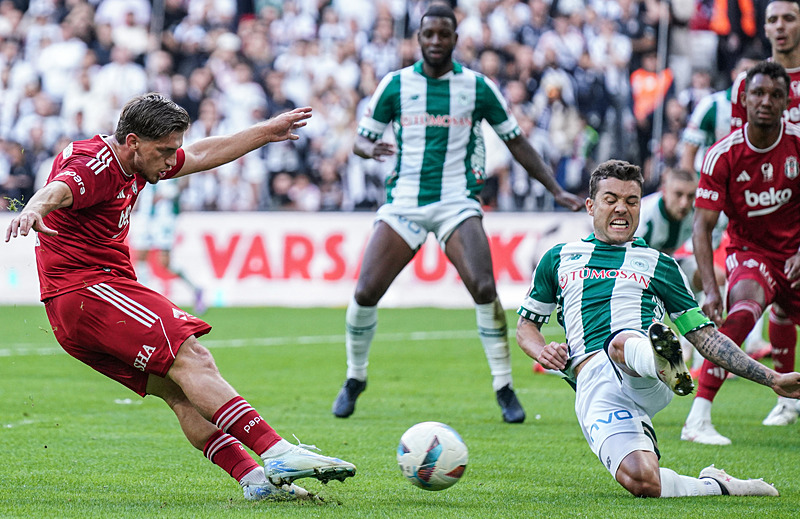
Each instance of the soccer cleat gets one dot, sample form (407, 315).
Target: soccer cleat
(704, 433)
(784, 413)
(345, 402)
(732, 486)
(670, 367)
(268, 491)
(512, 409)
(298, 462)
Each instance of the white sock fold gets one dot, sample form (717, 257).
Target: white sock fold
(639, 356)
(254, 477)
(676, 485)
(360, 323)
(700, 411)
(493, 332)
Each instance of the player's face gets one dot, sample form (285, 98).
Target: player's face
(679, 197)
(765, 100)
(615, 210)
(153, 158)
(782, 26)
(437, 38)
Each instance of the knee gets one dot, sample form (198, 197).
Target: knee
(644, 488)
(639, 474)
(193, 357)
(616, 348)
(483, 289)
(365, 296)
(640, 483)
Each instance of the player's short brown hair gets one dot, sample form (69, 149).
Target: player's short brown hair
(151, 116)
(619, 169)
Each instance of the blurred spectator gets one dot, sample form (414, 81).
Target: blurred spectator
(649, 87)
(66, 66)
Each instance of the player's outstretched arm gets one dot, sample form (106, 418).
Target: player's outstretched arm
(369, 149)
(702, 227)
(212, 152)
(551, 355)
(529, 159)
(54, 195)
(722, 351)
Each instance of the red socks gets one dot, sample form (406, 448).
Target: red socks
(783, 336)
(241, 421)
(741, 319)
(226, 452)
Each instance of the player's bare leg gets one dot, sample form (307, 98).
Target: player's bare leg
(468, 250)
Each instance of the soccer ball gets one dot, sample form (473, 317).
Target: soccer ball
(432, 456)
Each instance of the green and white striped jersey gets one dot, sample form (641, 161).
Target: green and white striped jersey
(598, 289)
(437, 125)
(658, 228)
(709, 122)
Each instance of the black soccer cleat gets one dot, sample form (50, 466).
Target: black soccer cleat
(345, 402)
(668, 355)
(512, 409)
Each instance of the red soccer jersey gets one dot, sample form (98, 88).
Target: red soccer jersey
(739, 112)
(758, 189)
(90, 246)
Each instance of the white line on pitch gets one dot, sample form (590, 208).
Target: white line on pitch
(29, 349)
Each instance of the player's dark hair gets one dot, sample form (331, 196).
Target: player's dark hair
(439, 10)
(151, 116)
(619, 169)
(770, 69)
(797, 2)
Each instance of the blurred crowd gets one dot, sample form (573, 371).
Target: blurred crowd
(583, 77)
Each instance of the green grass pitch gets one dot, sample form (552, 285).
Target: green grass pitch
(75, 444)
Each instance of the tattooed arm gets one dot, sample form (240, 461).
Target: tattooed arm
(722, 351)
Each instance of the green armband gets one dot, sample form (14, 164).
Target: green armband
(691, 320)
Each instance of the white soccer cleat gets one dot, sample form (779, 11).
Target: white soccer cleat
(298, 462)
(268, 492)
(670, 367)
(704, 433)
(738, 487)
(785, 412)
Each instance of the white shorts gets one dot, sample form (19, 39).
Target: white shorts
(153, 232)
(614, 410)
(441, 218)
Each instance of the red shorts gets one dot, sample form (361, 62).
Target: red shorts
(749, 264)
(122, 329)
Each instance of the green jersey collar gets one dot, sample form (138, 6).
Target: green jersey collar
(637, 242)
(457, 69)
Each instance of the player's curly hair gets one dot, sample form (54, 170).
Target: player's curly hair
(440, 10)
(151, 116)
(770, 69)
(614, 169)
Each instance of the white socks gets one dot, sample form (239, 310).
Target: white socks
(360, 323)
(493, 333)
(700, 412)
(675, 485)
(639, 356)
(254, 477)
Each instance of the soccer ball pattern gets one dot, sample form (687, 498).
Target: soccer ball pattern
(432, 455)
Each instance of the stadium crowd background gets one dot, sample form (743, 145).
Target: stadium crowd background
(582, 77)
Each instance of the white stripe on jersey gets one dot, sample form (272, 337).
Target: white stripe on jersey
(723, 146)
(101, 161)
(125, 304)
